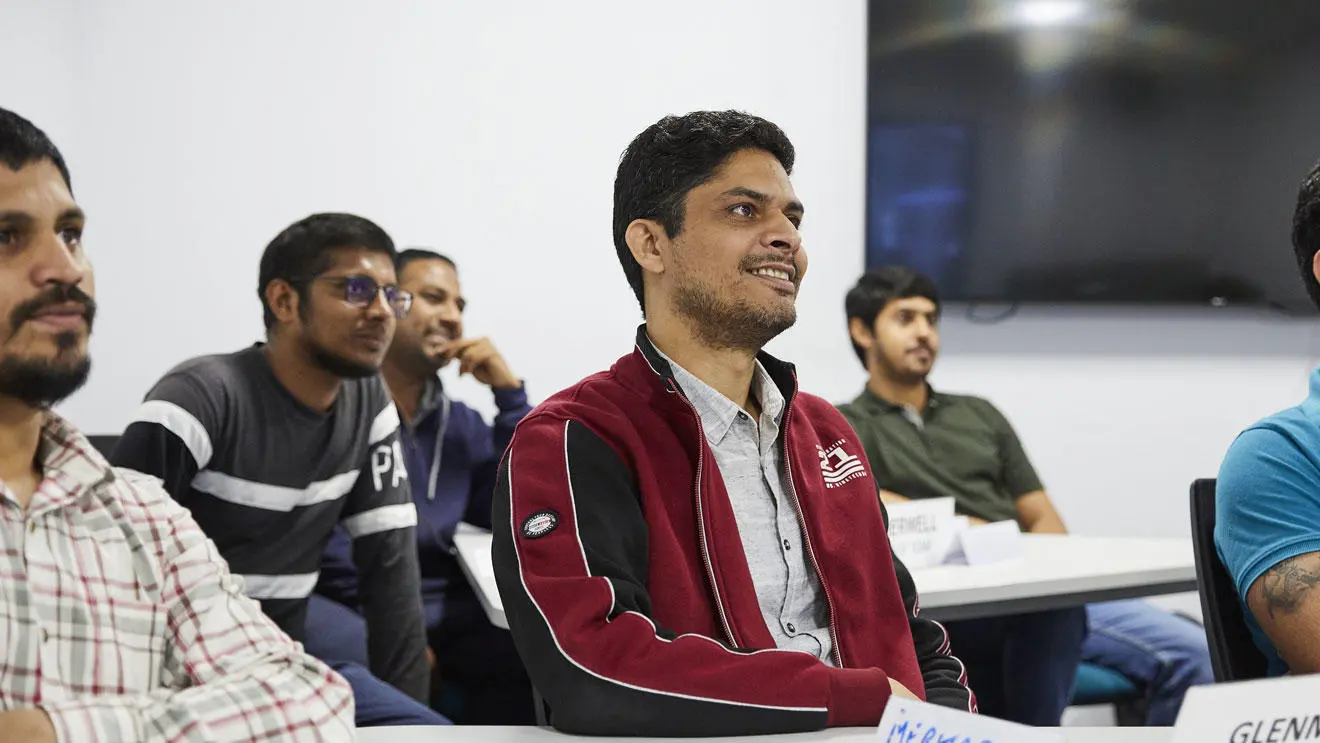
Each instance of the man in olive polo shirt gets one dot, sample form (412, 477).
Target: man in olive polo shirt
(927, 444)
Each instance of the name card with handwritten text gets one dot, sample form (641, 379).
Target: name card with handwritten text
(908, 721)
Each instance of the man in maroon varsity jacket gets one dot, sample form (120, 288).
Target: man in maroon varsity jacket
(685, 544)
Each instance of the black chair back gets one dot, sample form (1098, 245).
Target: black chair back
(104, 444)
(1233, 654)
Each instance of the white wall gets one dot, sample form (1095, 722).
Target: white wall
(491, 131)
(39, 63)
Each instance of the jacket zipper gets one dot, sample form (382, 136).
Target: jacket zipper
(806, 537)
(701, 523)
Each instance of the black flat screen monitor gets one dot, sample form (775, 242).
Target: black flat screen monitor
(1089, 151)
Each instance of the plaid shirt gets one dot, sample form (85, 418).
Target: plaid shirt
(119, 618)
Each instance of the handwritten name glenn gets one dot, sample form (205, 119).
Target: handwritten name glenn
(1278, 730)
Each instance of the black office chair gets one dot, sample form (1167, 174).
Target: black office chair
(1233, 654)
(104, 444)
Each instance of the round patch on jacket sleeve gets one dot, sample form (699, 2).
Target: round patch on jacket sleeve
(540, 523)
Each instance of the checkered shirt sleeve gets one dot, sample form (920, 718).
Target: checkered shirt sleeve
(122, 621)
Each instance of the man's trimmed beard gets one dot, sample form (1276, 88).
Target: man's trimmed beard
(44, 382)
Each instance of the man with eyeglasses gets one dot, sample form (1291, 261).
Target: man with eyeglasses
(270, 447)
(452, 455)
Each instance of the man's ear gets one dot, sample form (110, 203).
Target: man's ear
(646, 239)
(1315, 265)
(283, 300)
(861, 335)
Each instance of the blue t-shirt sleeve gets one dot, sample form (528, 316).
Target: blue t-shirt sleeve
(1267, 503)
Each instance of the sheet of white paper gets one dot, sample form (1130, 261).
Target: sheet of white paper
(953, 552)
(991, 543)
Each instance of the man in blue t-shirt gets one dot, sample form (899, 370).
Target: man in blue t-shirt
(1268, 499)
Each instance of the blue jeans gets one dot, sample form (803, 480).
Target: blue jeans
(1163, 653)
(335, 632)
(330, 637)
(475, 657)
(481, 660)
(1022, 666)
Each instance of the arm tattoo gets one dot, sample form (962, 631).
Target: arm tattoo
(1285, 585)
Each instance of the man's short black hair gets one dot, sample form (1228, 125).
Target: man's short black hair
(675, 155)
(22, 143)
(305, 250)
(1306, 231)
(420, 254)
(880, 286)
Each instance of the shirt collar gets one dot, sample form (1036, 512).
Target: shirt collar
(717, 412)
(70, 465)
(781, 372)
(875, 403)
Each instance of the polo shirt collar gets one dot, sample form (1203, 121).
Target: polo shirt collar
(871, 401)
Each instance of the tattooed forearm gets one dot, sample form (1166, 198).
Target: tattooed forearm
(1285, 586)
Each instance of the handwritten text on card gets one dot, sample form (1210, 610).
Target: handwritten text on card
(907, 721)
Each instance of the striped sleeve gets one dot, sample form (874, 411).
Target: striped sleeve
(380, 516)
(570, 557)
(381, 497)
(172, 433)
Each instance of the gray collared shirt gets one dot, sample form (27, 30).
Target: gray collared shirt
(751, 462)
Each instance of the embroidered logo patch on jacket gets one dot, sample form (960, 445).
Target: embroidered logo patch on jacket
(540, 523)
(838, 466)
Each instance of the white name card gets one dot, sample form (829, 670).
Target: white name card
(990, 543)
(921, 531)
(1278, 710)
(908, 721)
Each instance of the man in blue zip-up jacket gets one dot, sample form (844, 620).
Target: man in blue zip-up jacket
(452, 455)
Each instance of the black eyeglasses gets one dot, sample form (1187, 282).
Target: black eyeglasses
(361, 291)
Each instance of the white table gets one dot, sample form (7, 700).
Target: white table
(1055, 572)
(475, 734)
(473, 547)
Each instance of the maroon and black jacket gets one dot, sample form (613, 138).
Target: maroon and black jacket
(627, 590)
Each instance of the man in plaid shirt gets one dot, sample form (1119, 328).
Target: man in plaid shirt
(118, 619)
